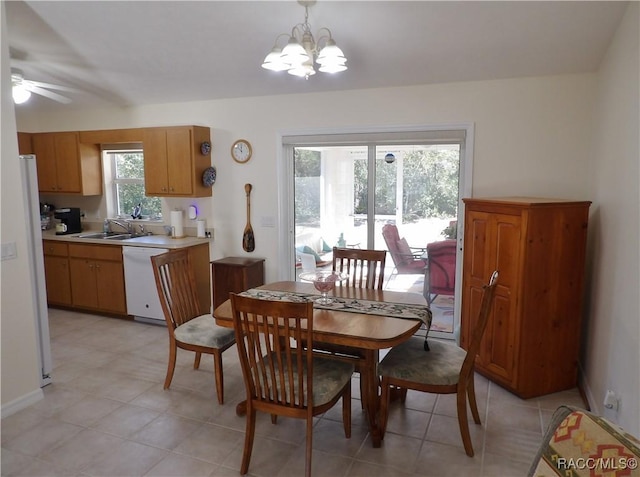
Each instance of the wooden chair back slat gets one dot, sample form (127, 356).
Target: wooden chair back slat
(175, 279)
(364, 266)
(270, 337)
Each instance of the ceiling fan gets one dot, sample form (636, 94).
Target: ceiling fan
(22, 89)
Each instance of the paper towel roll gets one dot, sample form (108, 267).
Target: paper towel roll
(201, 228)
(177, 230)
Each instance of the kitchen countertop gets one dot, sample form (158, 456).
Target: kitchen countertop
(156, 241)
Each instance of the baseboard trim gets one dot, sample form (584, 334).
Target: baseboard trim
(585, 391)
(22, 402)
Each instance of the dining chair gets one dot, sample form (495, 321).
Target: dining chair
(189, 327)
(445, 369)
(281, 375)
(365, 267)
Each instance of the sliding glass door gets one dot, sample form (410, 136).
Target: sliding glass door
(346, 191)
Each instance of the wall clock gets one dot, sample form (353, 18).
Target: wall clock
(241, 151)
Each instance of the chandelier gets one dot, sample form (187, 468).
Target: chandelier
(302, 49)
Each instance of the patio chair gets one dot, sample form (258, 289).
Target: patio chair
(407, 260)
(440, 278)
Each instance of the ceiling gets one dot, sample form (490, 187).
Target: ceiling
(120, 54)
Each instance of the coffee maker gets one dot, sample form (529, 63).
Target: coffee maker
(70, 218)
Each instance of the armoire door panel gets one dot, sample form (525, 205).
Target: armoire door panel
(499, 357)
(478, 251)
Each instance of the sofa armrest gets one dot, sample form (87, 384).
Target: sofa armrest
(578, 442)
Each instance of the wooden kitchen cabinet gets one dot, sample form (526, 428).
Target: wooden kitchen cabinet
(56, 272)
(173, 163)
(532, 341)
(24, 143)
(65, 165)
(97, 278)
(235, 274)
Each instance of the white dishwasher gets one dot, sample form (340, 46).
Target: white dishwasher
(142, 296)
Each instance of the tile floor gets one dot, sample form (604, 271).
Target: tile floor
(106, 414)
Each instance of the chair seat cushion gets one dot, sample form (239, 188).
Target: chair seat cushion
(203, 331)
(415, 266)
(410, 362)
(329, 377)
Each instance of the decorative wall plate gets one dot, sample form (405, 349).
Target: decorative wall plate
(209, 176)
(205, 148)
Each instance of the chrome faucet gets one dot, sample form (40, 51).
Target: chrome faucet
(125, 225)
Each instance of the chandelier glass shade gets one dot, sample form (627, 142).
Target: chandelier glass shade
(301, 50)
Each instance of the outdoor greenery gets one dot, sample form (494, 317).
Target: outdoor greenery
(307, 185)
(430, 185)
(129, 179)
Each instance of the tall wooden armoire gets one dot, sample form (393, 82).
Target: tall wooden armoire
(532, 341)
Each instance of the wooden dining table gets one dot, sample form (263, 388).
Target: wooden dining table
(368, 332)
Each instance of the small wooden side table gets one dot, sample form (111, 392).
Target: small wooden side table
(235, 274)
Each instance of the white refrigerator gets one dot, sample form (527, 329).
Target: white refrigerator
(36, 264)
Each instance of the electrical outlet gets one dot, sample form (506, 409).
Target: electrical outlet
(611, 400)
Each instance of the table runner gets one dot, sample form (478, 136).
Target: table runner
(396, 310)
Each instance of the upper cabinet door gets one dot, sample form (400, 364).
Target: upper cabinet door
(156, 174)
(44, 149)
(180, 161)
(173, 162)
(24, 143)
(68, 161)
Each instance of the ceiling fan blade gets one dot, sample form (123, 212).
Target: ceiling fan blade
(50, 86)
(49, 94)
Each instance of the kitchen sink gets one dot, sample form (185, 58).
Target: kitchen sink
(119, 237)
(105, 236)
(112, 236)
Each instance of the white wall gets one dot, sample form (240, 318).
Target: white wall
(533, 136)
(20, 380)
(612, 351)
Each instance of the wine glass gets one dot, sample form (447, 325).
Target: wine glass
(324, 281)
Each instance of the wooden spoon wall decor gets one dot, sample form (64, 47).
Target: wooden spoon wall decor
(248, 239)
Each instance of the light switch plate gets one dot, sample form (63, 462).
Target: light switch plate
(268, 221)
(9, 251)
